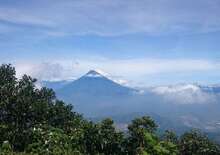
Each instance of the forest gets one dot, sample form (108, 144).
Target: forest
(33, 121)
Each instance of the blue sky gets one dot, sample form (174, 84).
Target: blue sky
(146, 42)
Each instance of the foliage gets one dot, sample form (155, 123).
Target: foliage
(48, 140)
(196, 143)
(6, 147)
(170, 136)
(102, 138)
(143, 139)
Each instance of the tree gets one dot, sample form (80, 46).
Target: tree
(5, 148)
(7, 91)
(196, 143)
(138, 128)
(170, 136)
(103, 138)
(91, 139)
(143, 139)
(49, 140)
(23, 106)
(110, 139)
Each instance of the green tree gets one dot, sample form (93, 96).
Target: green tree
(23, 106)
(6, 148)
(170, 136)
(91, 139)
(143, 139)
(137, 130)
(110, 139)
(7, 91)
(196, 143)
(103, 138)
(49, 140)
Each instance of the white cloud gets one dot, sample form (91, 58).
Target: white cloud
(21, 16)
(113, 17)
(130, 72)
(45, 71)
(147, 66)
(120, 70)
(185, 94)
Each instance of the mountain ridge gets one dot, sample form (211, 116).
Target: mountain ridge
(95, 95)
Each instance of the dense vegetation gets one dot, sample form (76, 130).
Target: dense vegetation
(33, 121)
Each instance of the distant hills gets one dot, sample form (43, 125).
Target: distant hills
(181, 106)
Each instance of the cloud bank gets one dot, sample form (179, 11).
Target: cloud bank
(185, 94)
(132, 70)
(128, 72)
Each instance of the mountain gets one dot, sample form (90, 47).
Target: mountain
(94, 84)
(94, 92)
(181, 106)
